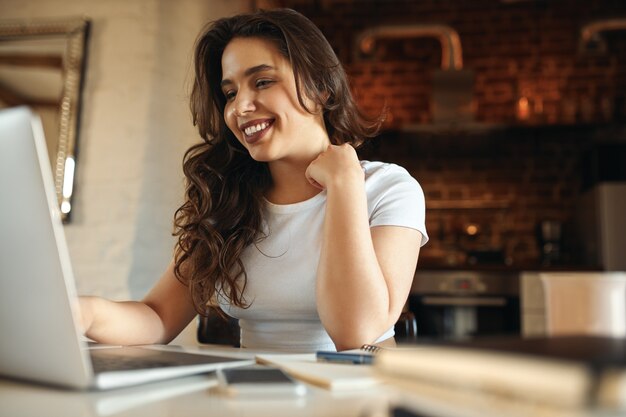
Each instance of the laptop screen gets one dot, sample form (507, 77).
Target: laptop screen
(40, 338)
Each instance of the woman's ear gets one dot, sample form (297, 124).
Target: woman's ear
(320, 104)
(325, 95)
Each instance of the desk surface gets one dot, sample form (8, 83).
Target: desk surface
(189, 397)
(197, 396)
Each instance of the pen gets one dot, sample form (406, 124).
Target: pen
(344, 357)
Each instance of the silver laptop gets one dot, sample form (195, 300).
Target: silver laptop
(40, 340)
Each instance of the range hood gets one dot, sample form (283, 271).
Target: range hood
(452, 100)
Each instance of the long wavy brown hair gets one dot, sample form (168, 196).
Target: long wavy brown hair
(222, 212)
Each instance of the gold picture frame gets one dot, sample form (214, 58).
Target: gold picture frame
(42, 65)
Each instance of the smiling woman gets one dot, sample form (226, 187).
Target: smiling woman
(262, 108)
(42, 64)
(282, 227)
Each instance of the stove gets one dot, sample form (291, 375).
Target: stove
(465, 303)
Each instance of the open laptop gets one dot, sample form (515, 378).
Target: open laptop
(40, 339)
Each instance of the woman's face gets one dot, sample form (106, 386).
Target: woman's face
(262, 107)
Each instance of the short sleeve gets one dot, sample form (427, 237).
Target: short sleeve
(394, 198)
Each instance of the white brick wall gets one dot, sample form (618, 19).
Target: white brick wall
(135, 129)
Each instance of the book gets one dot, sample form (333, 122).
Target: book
(331, 376)
(564, 371)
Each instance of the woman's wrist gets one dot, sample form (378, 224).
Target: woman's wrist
(87, 311)
(348, 179)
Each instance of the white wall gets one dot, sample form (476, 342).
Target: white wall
(135, 128)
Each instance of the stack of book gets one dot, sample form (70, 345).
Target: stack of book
(573, 374)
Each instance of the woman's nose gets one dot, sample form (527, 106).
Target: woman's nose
(244, 103)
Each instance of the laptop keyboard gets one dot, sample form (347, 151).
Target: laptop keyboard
(137, 358)
(119, 363)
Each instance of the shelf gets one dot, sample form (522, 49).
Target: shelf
(423, 267)
(468, 205)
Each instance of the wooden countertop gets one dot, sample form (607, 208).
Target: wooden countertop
(433, 266)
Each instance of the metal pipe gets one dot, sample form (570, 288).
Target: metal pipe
(590, 39)
(451, 51)
(590, 30)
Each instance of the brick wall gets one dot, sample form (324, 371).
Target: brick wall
(525, 48)
(505, 181)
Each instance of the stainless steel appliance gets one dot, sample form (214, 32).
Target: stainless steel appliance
(601, 220)
(601, 209)
(465, 303)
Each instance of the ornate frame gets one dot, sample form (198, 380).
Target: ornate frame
(76, 32)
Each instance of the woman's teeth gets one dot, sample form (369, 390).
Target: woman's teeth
(251, 130)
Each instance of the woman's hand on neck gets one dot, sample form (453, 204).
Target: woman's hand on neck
(290, 184)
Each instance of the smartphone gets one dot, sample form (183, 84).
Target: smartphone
(258, 381)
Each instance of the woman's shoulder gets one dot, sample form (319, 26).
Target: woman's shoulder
(384, 179)
(394, 197)
(376, 171)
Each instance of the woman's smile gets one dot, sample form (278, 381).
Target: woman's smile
(255, 129)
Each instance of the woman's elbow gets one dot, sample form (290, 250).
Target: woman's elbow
(354, 338)
(347, 344)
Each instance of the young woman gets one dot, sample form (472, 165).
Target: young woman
(283, 227)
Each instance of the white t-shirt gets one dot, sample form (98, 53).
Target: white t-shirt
(282, 268)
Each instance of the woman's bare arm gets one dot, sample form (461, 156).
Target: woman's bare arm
(158, 318)
(364, 274)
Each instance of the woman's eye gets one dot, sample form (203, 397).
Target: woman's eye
(230, 95)
(263, 83)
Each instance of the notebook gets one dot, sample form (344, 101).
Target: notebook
(40, 337)
(331, 376)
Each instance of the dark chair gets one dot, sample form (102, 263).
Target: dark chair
(406, 327)
(217, 330)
